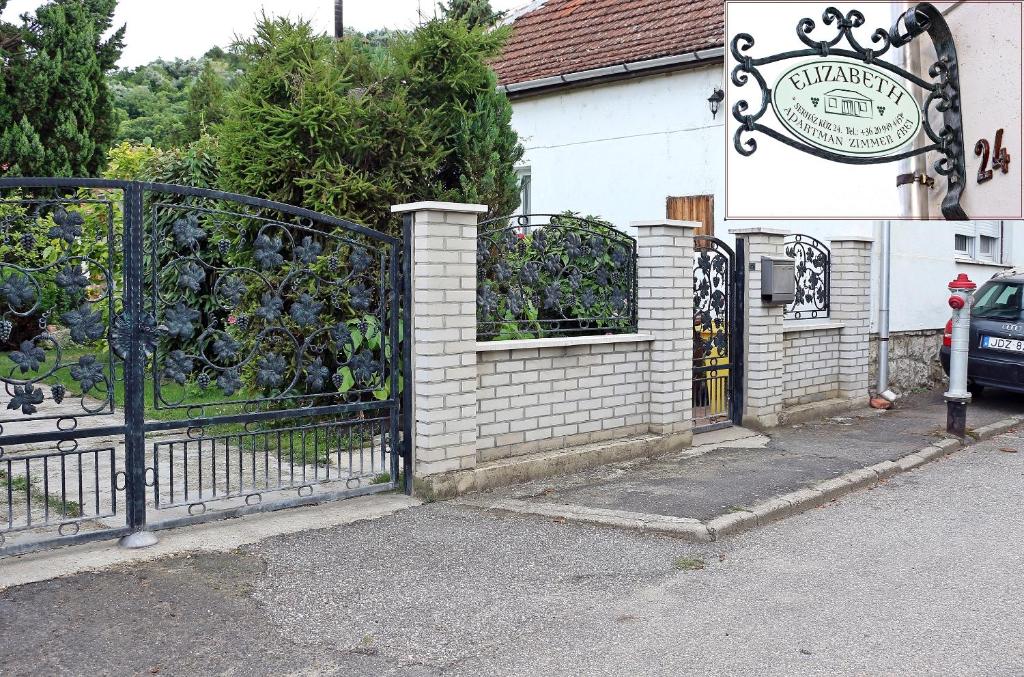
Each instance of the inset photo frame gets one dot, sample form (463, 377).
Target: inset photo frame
(874, 110)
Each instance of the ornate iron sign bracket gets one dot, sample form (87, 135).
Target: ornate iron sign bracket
(943, 90)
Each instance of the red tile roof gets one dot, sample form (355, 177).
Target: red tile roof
(567, 36)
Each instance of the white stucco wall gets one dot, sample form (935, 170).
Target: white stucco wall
(987, 38)
(619, 150)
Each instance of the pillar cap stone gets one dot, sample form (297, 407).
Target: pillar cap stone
(674, 223)
(432, 206)
(758, 230)
(852, 238)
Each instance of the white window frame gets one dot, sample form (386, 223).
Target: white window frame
(975, 231)
(525, 178)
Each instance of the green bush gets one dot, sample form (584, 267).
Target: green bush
(349, 130)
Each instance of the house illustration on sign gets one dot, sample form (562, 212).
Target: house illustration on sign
(846, 102)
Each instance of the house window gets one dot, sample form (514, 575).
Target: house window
(987, 247)
(525, 197)
(980, 240)
(963, 245)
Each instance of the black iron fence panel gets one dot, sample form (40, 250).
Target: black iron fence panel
(168, 351)
(545, 275)
(813, 277)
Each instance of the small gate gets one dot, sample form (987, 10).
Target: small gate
(717, 333)
(172, 355)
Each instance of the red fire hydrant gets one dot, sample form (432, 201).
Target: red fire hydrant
(961, 290)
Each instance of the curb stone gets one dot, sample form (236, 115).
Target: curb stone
(829, 490)
(774, 509)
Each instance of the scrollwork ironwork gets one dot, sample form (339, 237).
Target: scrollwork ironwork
(813, 275)
(943, 90)
(58, 253)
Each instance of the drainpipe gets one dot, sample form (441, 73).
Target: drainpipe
(913, 201)
(885, 397)
(913, 196)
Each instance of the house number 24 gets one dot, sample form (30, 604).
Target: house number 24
(1000, 157)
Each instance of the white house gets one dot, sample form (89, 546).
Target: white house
(611, 100)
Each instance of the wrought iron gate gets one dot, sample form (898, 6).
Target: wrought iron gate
(172, 355)
(717, 333)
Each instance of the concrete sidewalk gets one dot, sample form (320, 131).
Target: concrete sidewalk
(737, 471)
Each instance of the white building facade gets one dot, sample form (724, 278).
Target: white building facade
(620, 142)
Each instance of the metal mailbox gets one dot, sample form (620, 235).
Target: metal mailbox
(778, 280)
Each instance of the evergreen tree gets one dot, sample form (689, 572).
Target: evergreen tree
(473, 12)
(205, 102)
(56, 111)
(445, 64)
(349, 129)
(316, 122)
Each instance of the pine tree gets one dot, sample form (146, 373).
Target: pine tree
(345, 128)
(473, 12)
(445, 64)
(205, 103)
(56, 111)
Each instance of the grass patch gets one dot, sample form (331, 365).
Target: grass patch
(689, 563)
(735, 508)
(20, 486)
(189, 393)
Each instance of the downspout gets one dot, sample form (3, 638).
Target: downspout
(913, 202)
(883, 314)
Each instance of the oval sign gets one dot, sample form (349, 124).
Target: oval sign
(846, 107)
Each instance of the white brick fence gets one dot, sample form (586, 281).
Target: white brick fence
(492, 412)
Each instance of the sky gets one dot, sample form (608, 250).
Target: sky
(187, 28)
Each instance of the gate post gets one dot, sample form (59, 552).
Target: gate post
(665, 310)
(442, 390)
(850, 304)
(134, 376)
(763, 338)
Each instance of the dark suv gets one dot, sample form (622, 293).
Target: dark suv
(996, 355)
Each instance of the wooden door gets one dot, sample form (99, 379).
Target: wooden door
(700, 208)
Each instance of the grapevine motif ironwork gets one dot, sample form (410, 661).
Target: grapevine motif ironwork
(943, 90)
(813, 274)
(241, 327)
(48, 273)
(711, 292)
(253, 309)
(542, 275)
(716, 310)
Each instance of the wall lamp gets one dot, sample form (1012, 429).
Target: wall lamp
(715, 100)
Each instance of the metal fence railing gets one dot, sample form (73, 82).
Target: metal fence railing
(813, 273)
(546, 275)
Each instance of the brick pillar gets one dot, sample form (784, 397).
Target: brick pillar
(850, 303)
(764, 366)
(443, 236)
(665, 310)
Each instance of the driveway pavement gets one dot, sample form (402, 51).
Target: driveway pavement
(919, 576)
(746, 472)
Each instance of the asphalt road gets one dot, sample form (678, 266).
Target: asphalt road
(919, 576)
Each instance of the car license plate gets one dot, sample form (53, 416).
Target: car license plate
(996, 343)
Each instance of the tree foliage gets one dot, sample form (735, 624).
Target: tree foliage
(347, 128)
(473, 12)
(171, 103)
(205, 102)
(56, 111)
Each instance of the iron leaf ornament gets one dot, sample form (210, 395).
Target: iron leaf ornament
(67, 225)
(26, 397)
(860, 118)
